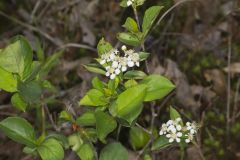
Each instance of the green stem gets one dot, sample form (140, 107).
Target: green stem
(182, 153)
(43, 121)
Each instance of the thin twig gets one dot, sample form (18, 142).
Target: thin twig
(77, 45)
(229, 86)
(236, 99)
(147, 131)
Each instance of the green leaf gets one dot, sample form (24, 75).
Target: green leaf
(140, 2)
(94, 97)
(75, 141)
(114, 151)
(138, 137)
(143, 56)
(30, 91)
(97, 84)
(105, 124)
(61, 138)
(103, 47)
(129, 103)
(19, 130)
(17, 57)
(129, 39)
(86, 119)
(18, 102)
(33, 71)
(131, 25)
(86, 152)
(64, 115)
(51, 149)
(149, 17)
(113, 84)
(157, 87)
(161, 143)
(123, 3)
(7, 81)
(134, 75)
(95, 68)
(130, 83)
(174, 113)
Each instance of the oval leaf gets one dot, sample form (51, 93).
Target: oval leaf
(149, 17)
(131, 25)
(105, 124)
(51, 149)
(138, 137)
(161, 143)
(18, 102)
(7, 81)
(114, 151)
(129, 39)
(19, 130)
(87, 119)
(134, 75)
(157, 87)
(129, 103)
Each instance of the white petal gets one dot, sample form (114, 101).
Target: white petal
(137, 64)
(188, 124)
(107, 74)
(178, 140)
(124, 48)
(129, 3)
(115, 64)
(112, 76)
(171, 140)
(179, 134)
(124, 68)
(102, 62)
(192, 131)
(161, 133)
(117, 71)
(179, 127)
(178, 119)
(169, 122)
(168, 135)
(187, 140)
(130, 63)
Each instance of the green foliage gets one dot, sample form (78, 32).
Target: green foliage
(157, 87)
(17, 57)
(94, 97)
(64, 115)
(95, 68)
(19, 130)
(138, 137)
(86, 152)
(134, 75)
(160, 143)
(18, 102)
(7, 81)
(114, 151)
(129, 103)
(86, 119)
(103, 47)
(105, 124)
(131, 25)
(51, 149)
(130, 38)
(149, 18)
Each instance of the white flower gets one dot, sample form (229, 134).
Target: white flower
(115, 64)
(129, 2)
(164, 129)
(123, 63)
(174, 137)
(110, 72)
(124, 48)
(189, 137)
(192, 127)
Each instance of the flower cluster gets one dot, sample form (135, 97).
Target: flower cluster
(115, 64)
(174, 131)
(130, 2)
